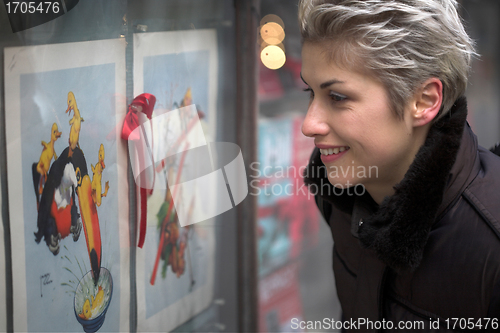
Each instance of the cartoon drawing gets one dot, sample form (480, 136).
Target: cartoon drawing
(57, 211)
(173, 241)
(56, 223)
(96, 178)
(46, 157)
(58, 214)
(178, 261)
(75, 122)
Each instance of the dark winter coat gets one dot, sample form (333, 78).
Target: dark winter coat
(430, 252)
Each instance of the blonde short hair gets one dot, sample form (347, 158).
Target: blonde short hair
(402, 42)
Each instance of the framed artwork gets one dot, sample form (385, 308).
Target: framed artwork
(175, 268)
(68, 203)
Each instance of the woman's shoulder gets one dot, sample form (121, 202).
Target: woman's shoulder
(483, 192)
(486, 185)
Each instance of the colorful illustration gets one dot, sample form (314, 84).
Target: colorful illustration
(57, 213)
(173, 256)
(64, 237)
(176, 266)
(171, 248)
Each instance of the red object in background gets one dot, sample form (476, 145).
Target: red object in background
(270, 86)
(131, 122)
(147, 102)
(279, 300)
(294, 66)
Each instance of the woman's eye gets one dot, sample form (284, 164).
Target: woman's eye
(337, 97)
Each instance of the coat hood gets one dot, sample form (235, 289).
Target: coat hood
(397, 229)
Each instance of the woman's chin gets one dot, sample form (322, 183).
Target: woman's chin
(348, 187)
(343, 183)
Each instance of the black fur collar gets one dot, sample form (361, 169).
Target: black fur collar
(399, 229)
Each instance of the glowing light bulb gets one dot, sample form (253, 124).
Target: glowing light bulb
(272, 57)
(272, 33)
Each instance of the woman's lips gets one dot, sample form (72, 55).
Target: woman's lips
(333, 154)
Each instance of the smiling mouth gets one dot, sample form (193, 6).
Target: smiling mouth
(333, 151)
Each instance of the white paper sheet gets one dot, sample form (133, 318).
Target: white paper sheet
(38, 82)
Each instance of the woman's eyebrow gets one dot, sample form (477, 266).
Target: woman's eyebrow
(324, 84)
(329, 83)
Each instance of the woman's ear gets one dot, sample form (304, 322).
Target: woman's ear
(427, 102)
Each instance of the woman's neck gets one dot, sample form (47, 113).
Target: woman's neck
(382, 188)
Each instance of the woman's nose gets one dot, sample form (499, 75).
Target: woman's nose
(315, 122)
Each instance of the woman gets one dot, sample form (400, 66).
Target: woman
(412, 202)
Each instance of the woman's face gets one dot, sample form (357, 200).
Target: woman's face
(361, 139)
